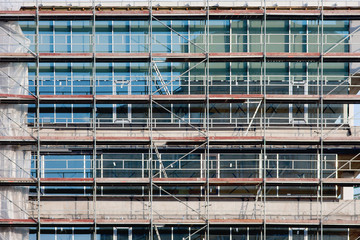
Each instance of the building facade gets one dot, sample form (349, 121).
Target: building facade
(167, 120)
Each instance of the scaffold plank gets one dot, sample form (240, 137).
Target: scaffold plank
(17, 140)
(279, 14)
(122, 181)
(338, 14)
(16, 57)
(178, 181)
(187, 222)
(191, 98)
(179, 221)
(190, 13)
(67, 222)
(17, 222)
(180, 57)
(18, 182)
(122, 222)
(236, 221)
(293, 222)
(236, 57)
(292, 181)
(335, 223)
(52, 99)
(342, 57)
(16, 99)
(342, 181)
(11, 15)
(283, 98)
(213, 140)
(235, 181)
(293, 57)
(67, 181)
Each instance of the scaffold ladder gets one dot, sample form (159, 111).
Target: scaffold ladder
(158, 73)
(162, 168)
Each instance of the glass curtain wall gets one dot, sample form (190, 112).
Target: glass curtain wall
(132, 78)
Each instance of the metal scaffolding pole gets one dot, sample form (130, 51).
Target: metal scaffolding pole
(318, 124)
(94, 119)
(151, 147)
(322, 121)
(207, 118)
(264, 156)
(37, 85)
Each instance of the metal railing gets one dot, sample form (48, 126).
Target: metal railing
(115, 84)
(105, 42)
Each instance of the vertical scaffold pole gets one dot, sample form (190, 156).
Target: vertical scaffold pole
(264, 156)
(94, 190)
(37, 86)
(207, 116)
(151, 146)
(322, 119)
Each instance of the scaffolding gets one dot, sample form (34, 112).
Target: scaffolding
(176, 150)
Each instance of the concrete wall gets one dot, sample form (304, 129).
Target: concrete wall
(137, 209)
